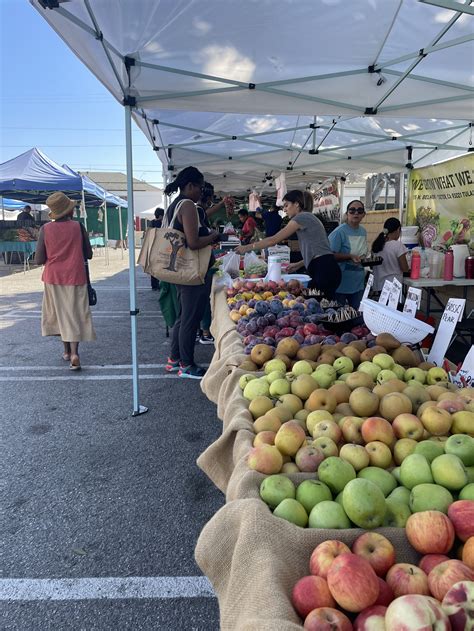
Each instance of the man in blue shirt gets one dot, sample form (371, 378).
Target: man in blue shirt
(271, 218)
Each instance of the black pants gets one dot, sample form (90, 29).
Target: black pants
(325, 275)
(193, 300)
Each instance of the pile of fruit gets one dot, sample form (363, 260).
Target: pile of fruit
(364, 589)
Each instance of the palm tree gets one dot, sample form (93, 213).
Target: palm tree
(176, 242)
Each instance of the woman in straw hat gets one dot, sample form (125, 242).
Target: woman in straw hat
(62, 247)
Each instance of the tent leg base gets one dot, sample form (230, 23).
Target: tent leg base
(141, 410)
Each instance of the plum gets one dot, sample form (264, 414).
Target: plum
(287, 331)
(252, 326)
(262, 307)
(329, 340)
(283, 322)
(269, 341)
(251, 303)
(348, 337)
(271, 318)
(299, 338)
(262, 322)
(249, 339)
(276, 306)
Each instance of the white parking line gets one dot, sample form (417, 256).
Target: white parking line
(79, 376)
(88, 367)
(99, 315)
(13, 589)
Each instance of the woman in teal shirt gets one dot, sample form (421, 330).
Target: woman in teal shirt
(349, 244)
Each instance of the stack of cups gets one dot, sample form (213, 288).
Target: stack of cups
(274, 268)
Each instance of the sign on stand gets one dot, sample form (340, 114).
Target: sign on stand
(413, 301)
(367, 289)
(465, 376)
(386, 291)
(395, 293)
(451, 316)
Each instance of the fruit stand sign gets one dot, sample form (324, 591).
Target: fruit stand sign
(395, 294)
(451, 316)
(465, 376)
(367, 289)
(413, 301)
(386, 291)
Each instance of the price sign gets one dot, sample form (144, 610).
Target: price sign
(367, 289)
(451, 316)
(465, 377)
(413, 301)
(386, 291)
(395, 294)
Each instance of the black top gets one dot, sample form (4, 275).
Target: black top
(156, 223)
(25, 218)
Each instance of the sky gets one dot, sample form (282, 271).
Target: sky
(50, 100)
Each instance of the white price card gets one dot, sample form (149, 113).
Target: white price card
(395, 294)
(386, 291)
(465, 376)
(413, 301)
(451, 315)
(367, 289)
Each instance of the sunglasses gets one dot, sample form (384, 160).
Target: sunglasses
(356, 211)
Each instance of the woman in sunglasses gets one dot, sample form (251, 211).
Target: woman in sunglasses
(349, 244)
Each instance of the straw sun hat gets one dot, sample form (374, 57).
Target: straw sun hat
(59, 205)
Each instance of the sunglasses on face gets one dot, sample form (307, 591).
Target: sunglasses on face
(356, 211)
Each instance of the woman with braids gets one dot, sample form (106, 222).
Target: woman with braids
(314, 245)
(192, 298)
(393, 252)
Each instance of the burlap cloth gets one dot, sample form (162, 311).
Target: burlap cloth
(253, 560)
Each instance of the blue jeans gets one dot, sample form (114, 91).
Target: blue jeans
(353, 299)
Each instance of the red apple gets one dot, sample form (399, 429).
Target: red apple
(327, 619)
(404, 578)
(386, 594)
(416, 613)
(377, 550)
(371, 619)
(323, 556)
(461, 513)
(309, 593)
(458, 604)
(352, 582)
(446, 574)
(429, 561)
(430, 532)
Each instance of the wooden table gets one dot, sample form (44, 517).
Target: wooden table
(432, 284)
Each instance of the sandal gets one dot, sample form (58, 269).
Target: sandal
(75, 363)
(66, 357)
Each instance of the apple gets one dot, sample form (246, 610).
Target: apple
(343, 365)
(308, 458)
(324, 554)
(264, 437)
(468, 553)
(377, 550)
(397, 513)
(244, 379)
(384, 361)
(275, 365)
(436, 376)
(265, 459)
(289, 438)
(256, 388)
(327, 429)
(437, 422)
(327, 619)
(414, 470)
(429, 561)
(370, 369)
(399, 371)
(462, 446)
(417, 613)
(351, 429)
(311, 492)
(403, 448)
(430, 532)
(415, 374)
(274, 375)
(386, 594)
(325, 375)
(328, 514)
(302, 367)
(405, 578)
(321, 399)
(327, 446)
(461, 514)
(443, 576)
(458, 604)
(376, 428)
(276, 488)
(435, 391)
(408, 426)
(385, 375)
(352, 582)
(430, 497)
(303, 386)
(315, 417)
(356, 455)
(467, 493)
(400, 494)
(336, 473)
(393, 404)
(279, 387)
(381, 477)
(379, 454)
(309, 593)
(451, 404)
(364, 503)
(371, 619)
(417, 395)
(364, 402)
(449, 471)
(429, 449)
(291, 402)
(463, 423)
(291, 510)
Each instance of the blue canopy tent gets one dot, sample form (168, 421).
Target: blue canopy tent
(12, 204)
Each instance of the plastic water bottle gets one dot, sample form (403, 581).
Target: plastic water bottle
(448, 265)
(415, 265)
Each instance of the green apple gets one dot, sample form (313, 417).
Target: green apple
(470, 474)
(356, 455)
(325, 375)
(311, 492)
(274, 375)
(292, 511)
(275, 364)
(400, 494)
(275, 488)
(279, 387)
(415, 374)
(328, 514)
(364, 503)
(256, 388)
(462, 446)
(382, 478)
(243, 381)
(301, 367)
(343, 365)
(336, 473)
(397, 514)
(384, 361)
(396, 474)
(385, 375)
(315, 417)
(430, 497)
(369, 368)
(436, 375)
(414, 470)
(449, 471)
(463, 423)
(338, 498)
(430, 449)
(467, 493)
(399, 371)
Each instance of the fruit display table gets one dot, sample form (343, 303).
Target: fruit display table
(431, 285)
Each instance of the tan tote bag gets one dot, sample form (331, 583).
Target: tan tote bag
(165, 256)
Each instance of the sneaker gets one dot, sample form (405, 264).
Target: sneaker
(198, 336)
(191, 372)
(206, 339)
(171, 365)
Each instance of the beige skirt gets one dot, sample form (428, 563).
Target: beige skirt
(66, 312)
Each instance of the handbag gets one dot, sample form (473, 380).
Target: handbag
(91, 292)
(165, 255)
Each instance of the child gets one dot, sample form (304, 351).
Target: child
(392, 251)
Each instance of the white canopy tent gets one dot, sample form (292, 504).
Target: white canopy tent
(327, 87)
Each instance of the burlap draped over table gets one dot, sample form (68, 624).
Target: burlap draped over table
(253, 559)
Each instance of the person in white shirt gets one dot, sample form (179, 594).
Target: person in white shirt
(393, 252)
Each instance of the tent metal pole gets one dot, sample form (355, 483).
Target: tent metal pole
(401, 197)
(85, 209)
(137, 408)
(3, 209)
(120, 228)
(106, 234)
(341, 199)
